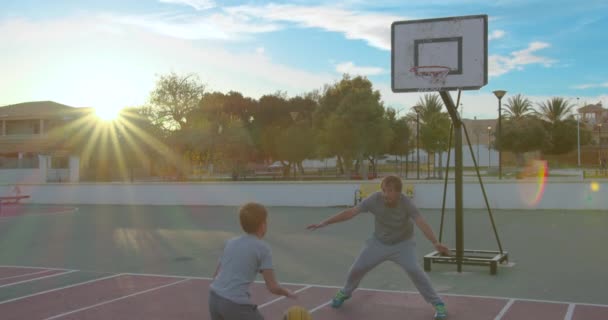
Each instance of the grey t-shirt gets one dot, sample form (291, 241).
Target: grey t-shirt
(243, 258)
(392, 225)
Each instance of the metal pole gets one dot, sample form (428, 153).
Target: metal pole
(449, 103)
(417, 145)
(578, 135)
(599, 143)
(499, 138)
(578, 139)
(489, 160)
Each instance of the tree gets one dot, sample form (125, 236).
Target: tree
(350, 123)
(523, 135)
(173, 98)
(235, 146)
(518, 107)
(402, 134)
(554, 110)
(435, 126)
(559, 124)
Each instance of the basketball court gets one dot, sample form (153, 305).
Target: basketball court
(154, 262)
(149, 296)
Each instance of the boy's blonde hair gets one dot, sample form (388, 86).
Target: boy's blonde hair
(252, 216)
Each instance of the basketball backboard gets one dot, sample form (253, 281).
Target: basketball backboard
(439, 54)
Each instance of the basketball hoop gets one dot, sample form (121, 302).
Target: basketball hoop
(433, 74)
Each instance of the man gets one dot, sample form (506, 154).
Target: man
(393, 239)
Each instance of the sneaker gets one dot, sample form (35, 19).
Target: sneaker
(339, 299)
(441, 312)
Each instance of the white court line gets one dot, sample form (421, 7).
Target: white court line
(504, 309)
(319, 306)
(385, 291)
(570, 312)
(61, 288)
(36, 279)
(117, 299)
(27, 267)
(25, 274)
(282, 297)
(378, 290)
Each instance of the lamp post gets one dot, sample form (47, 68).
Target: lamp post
(578, 135)
(499, 94)
(294, 116)
(477, 135)
(417, 142)
(489, 132)
(599, 143)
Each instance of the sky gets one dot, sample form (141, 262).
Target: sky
(108, 54)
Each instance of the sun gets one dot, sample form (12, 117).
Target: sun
(107, 113)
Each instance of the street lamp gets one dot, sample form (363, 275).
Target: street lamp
(578, 135)
(417, 142)
(599, 142)
(477, 134)
(489, 132)
(499, 94)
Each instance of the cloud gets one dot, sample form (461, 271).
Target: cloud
(191, 27)
(351, 68)
(196, 4)
(88, 56)
(499, 65)
(591, 85)
(372, 28)
(496, 34)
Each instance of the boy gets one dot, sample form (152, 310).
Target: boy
(394, 217)
(242, 259)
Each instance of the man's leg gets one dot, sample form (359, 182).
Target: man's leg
(372, 254)
(406, 258)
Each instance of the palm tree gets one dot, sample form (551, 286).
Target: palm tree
(555, 110)
(518, 107)
(434, 129)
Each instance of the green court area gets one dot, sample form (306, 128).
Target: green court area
(554, 255)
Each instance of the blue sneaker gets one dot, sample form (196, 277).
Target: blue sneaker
(339, 299)
(441, 313)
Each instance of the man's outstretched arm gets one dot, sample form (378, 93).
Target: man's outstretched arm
(342, 216)
(428, 233)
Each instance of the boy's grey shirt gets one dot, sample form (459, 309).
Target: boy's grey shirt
(392, 225)
(243, 258)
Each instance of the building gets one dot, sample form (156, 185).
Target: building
(595, 118)
(36, 142)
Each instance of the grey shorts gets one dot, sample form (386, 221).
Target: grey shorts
(223, 309)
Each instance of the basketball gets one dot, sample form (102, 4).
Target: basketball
(297, 313)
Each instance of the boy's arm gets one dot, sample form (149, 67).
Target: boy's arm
(428, 233)
(273, 286)
(342, 216)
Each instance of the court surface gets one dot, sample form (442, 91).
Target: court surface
(149, 262)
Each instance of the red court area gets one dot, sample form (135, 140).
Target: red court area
(140, 296)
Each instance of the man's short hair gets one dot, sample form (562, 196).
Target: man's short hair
(252, 215)
(392, 182)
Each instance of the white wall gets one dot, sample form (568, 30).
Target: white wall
(502, 195)
(11, 176)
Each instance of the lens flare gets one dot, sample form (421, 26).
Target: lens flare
(595, 187)
(532, 194)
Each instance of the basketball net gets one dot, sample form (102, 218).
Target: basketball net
(433, 74)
